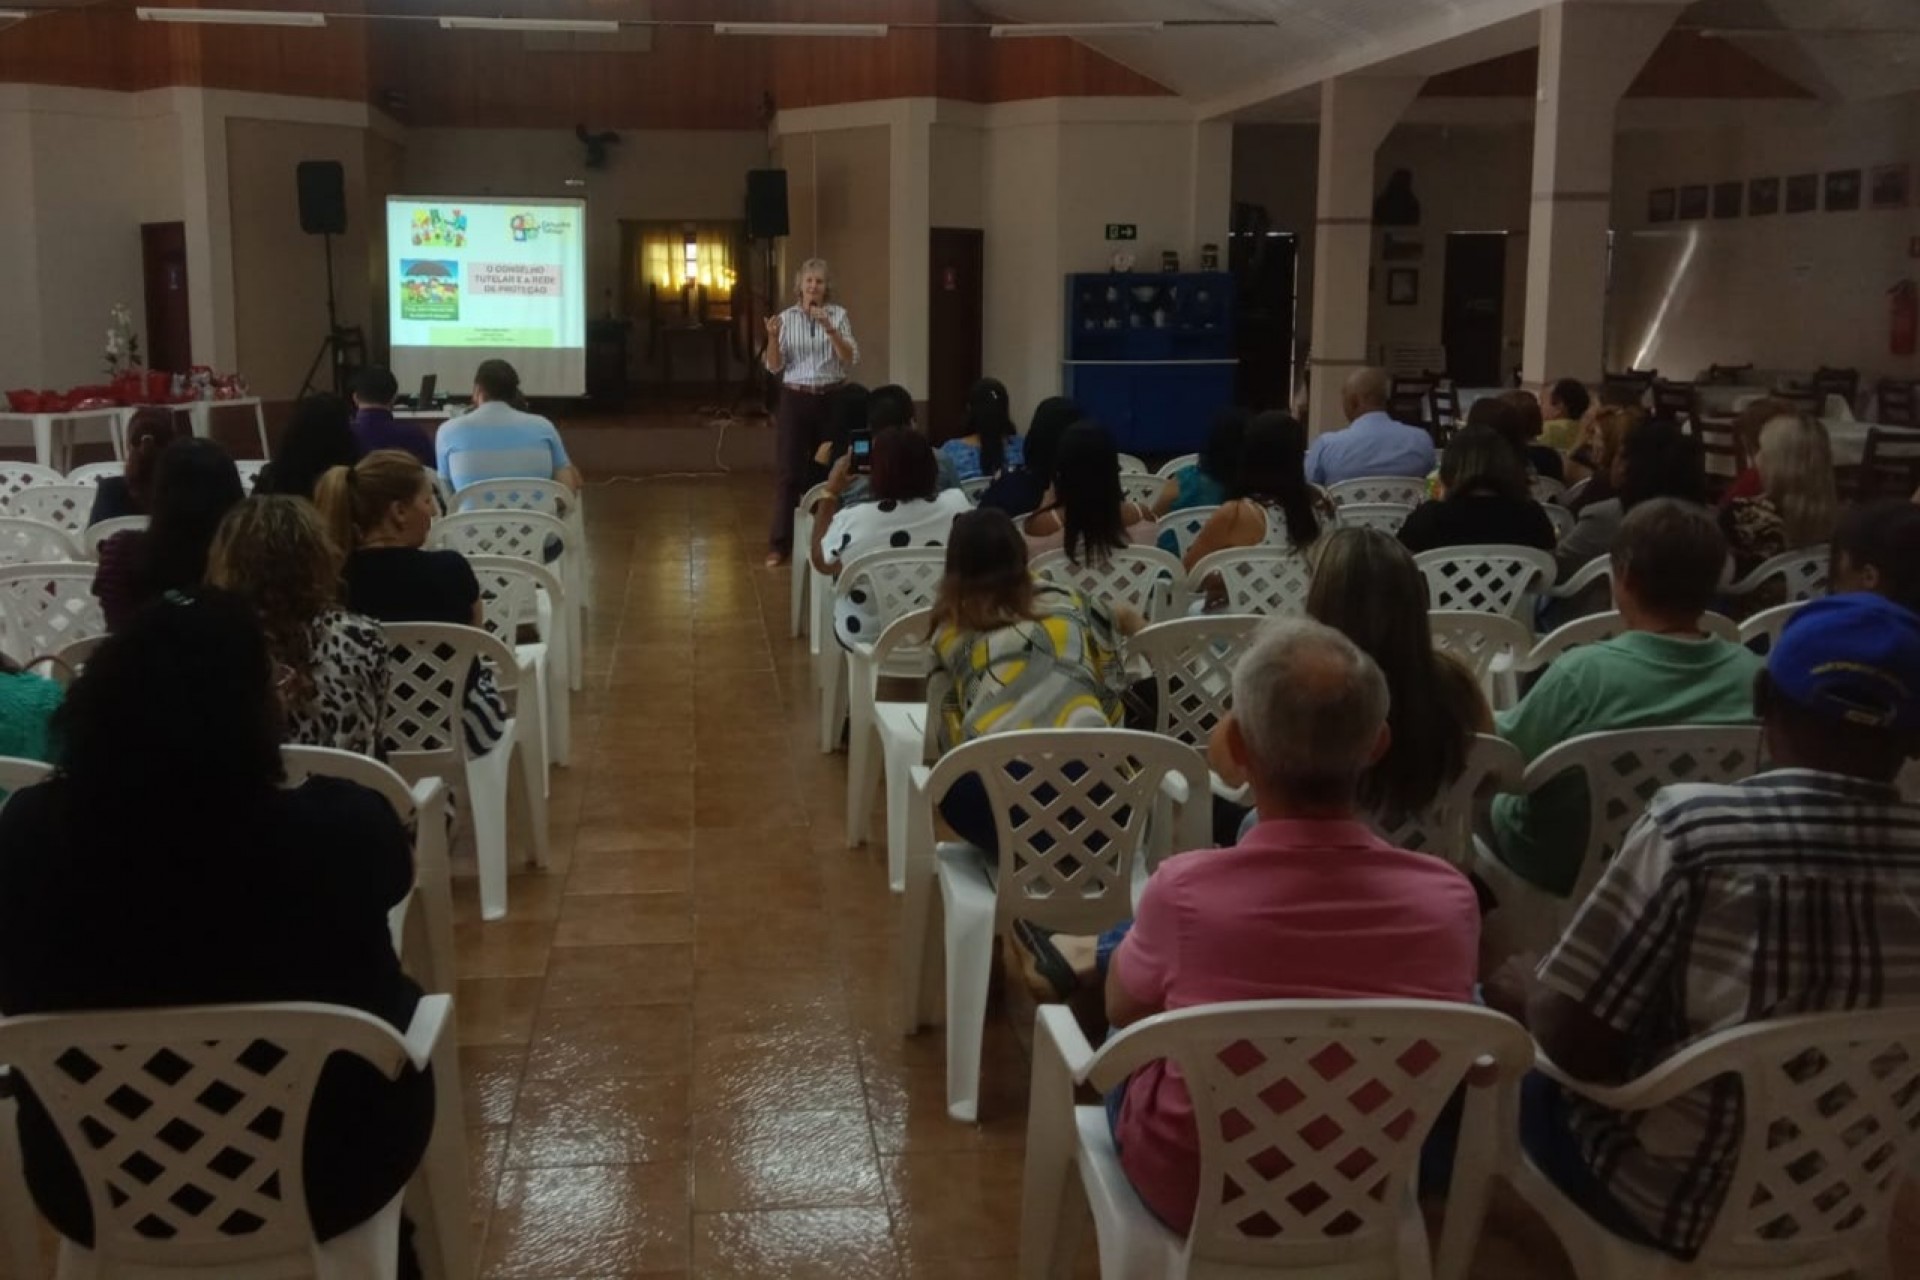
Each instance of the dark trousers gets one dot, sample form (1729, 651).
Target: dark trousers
(800, 423)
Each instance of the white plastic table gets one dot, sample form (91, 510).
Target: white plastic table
(42, 425)
(200, 415)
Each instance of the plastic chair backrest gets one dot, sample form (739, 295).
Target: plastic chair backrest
(1185, 525)
(896, 581)
(1803, 573)
(1487, 578)
(1595, 627)
(92, 473)
(1070, 807)
(1545, 489)
(1192, 661)
(1445, 827)
(427, 686)
(24, 541)
(1261, 580)
(1476, 639)
(1141, 576)
(1408, 491)
(500, 532)
(15, 476)
(249, 469)
(46, 607)
(975, 487)
(1310, 1116)
(1768, 624)
(188, 1124)
(1575, 491)
(65, 506)
(515, 494)
(17, 772)
(1140, 487)
(1173, 466)
(1387, 517)
(1560, 518)
(510, 594)
(100, 531)
(1132, 463)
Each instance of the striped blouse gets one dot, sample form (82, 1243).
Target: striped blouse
(806, 355)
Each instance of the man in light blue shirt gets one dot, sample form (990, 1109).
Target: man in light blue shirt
(496, 441)
(1372, 444)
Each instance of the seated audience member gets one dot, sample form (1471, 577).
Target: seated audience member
(1085, 510)
(1605, 427)
(1876, 547)
(1566, 408)
(498, 439)
(1656, 459)
(27, 706)
(1372, 443)
(1022, 653)
(131, 493)
(375, 427)
(274, 553)
(1270, 502)
(1018, 491)
(381, 508)
(1663, 671)
(1311, 904)
(846, 414)
(1795, 506)
(318, 436)
(1484, 498)
(1683, 936)
(1746, 430)
(1541, 459)
(990, 442)
(195, 484)
(1205, 483)
(166, 864)
(891, 407)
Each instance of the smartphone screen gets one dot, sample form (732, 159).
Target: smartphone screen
(860, 448)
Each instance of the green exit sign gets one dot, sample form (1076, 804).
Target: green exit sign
(1122, 231)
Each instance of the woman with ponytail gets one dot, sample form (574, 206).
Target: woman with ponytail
(131, 494)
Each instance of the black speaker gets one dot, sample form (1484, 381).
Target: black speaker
(766, 203)
(323, 197)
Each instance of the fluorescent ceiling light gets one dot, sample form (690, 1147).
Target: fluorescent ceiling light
(234, 17)
(867, 29)
(8, 16)
(1017, 30)
(604, 26)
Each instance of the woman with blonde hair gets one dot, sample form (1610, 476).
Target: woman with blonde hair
(1797, 501)
(379, 510)
(331, 665)
(811, 349)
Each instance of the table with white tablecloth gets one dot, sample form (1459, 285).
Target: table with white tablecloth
(1849, 440)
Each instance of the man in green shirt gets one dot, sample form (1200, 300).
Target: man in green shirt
(1667, 561)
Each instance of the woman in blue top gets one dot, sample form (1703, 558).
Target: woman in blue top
(1206, 482)
(991, 443)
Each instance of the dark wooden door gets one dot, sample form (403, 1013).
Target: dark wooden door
(1476, 290)
(957, 309)
(163, 265)
(1264, 264)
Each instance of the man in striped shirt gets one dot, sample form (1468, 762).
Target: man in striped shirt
(1796, 891)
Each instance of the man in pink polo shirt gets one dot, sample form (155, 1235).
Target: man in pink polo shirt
(1311, 904)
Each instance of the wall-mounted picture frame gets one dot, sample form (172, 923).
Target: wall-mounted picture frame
(1728, 199)
(1694, 202)
(1890, 186)
(1843, 191)
(1660, 204)
(1763, 197)
(1803, 193)
(1403, 287)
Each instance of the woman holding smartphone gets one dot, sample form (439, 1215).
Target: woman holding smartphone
(810, 346)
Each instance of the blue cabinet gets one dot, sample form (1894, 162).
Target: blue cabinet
(1150, 356)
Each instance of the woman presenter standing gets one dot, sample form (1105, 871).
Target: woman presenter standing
(810, 347)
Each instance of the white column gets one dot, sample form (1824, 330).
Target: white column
(1356, 113)
(909, 220)
(1589, 55)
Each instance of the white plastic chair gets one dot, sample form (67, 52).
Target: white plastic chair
(895, 581)
(800, 562)
(1143, 577)
(1574, 491)
(1489, 644)
(1172, 466)
(249, 469)
(17, 772)
(46, 607)
(15, 476)
(65, 506)
(1310, 1116)
(1387, 517)
(1186, 525)
(113, 1085)
(1830, 1105)
(517, 593)
(1486, 578)
(1140, 487)
(1560, 518)
(1546, 491)
(1070, 863)
(975, 487)
(99, 532)
(1445, 827)
(1192, 661)
(1132, 462)
(1802, 573)
(92, 473)
(526, 535)
(24, 541)
(907, 733)
(425, 737)
(1264, 580)
(1768, 623)
(551, 498)
(1408, 491)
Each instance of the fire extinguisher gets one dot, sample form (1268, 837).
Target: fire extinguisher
(1903, 317)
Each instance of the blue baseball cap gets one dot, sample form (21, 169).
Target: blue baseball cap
(1854, 658)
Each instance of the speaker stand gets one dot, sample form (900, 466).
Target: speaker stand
(334, 345)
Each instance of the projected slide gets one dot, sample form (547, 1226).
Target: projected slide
(471, 279)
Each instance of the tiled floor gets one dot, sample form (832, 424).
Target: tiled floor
(678, 1052)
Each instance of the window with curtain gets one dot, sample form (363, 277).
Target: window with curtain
(672, 254)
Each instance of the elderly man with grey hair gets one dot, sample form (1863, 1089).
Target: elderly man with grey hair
(1311, 904)
(1372, 443)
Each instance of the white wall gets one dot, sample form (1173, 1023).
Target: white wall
(1025, 289)
(958, 160)
(838, 209)
(20, 329)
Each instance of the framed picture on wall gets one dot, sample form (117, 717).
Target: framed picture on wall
(1803, 193)
(1843, 191)
(1889, 187)
(1727, 199)
(1403, 287)
(1660, 204)
(1763, 197)
(1693, 203)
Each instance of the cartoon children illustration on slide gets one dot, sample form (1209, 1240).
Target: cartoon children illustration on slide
(434, 229)
(429, 290)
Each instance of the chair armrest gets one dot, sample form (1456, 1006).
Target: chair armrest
(1056, 1029)
(423, 1033)
(1592, 571)
(1174, 787)
(1675, 1076)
